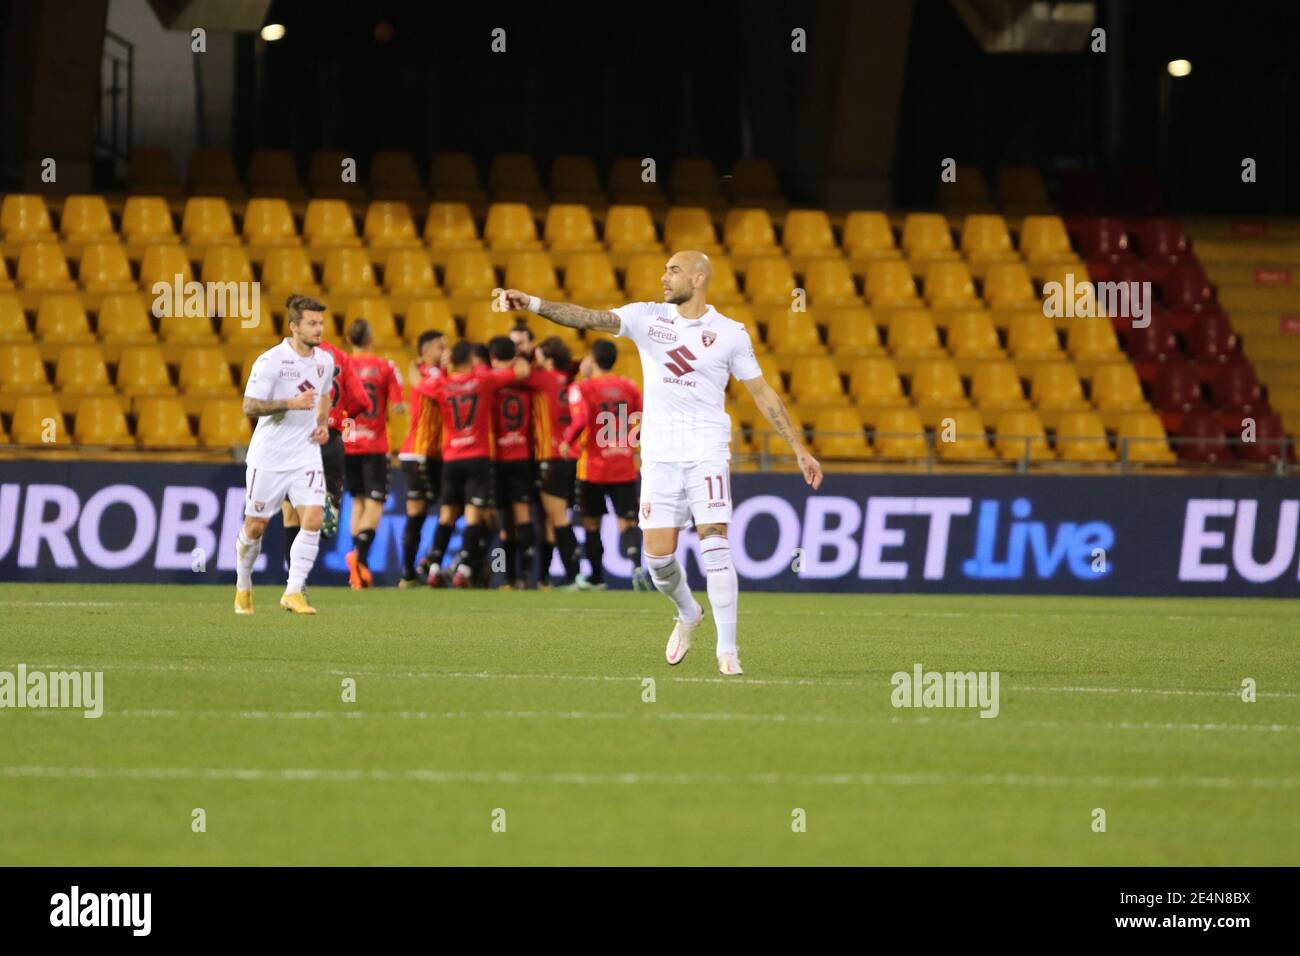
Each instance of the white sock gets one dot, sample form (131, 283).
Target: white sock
(246, 552)
(669, 578)
(724, 589)
(301, 558)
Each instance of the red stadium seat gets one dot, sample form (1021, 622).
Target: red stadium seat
(1177, 389)
(1267, 447)
(1211, 338)
(1162, 239)
(1187, 287)
(1103, 239)
(1236, 389)
(1203, 439)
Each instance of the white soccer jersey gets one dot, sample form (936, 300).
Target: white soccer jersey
(282, 442)
(686, 366)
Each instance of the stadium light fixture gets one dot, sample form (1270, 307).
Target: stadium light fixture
(1179, 67)
(272, 32)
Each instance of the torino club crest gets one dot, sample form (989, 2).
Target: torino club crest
(708, 338)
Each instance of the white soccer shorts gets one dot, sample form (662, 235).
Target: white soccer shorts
(266, 489)
(672, 492)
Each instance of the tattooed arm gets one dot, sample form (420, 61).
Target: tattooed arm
(564, 313)
(773, 409)
(257, 407)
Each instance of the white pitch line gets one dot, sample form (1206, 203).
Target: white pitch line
(338, 775)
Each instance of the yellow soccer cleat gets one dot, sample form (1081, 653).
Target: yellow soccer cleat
(243, 602)
(297, 603)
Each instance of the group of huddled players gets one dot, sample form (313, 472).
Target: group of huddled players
(511, 434)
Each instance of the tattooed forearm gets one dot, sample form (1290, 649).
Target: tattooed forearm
(774, 411)
(576, 317)
(257, 407)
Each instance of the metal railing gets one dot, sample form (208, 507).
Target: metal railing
(115, 122)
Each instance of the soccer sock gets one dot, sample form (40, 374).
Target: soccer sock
(670, 580)
(548, 555)
(715, 555)
(524, 534)
(411, 543)
(362, 542)
(567, 542)
(510, 549)
(629, 542)
(301, 559)
(469, 546)
(246, 552)
(595, 549)
(440, 538)
(290, 532)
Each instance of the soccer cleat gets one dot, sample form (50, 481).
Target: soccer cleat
(330, 523)
(434, 580)
(367, 579)
(641, 580)
(355, 581)
(243, 602)
(405, 583)
(296, 602)
(463, 578)
(679, 641)
(729, 664)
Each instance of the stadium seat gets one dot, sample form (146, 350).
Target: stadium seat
(1020, 436)
(510, 229)
(995, 387)
(807, 237)
(151, 170)
(81, 370)
(38, 420)
(42, 268)
(1031, 337)
(1055, 389)
(1202, 439)
(513, 178)
(146, 221)
(449, 227)
(972, 338)
(1092, 339)
(1021, 190)
(242, 334)
(589, 277)
(1268, 445)
(204, 372)
(453, 177)
(388, 226)
(25, 218)
(875, 385)
(867, 238)
(272, 172)
(694, 178)
(573, 179)
(1187, 287)
(85, 219)
(628, 185)
(815, 383)
(1008, 284)
(212, 173)
(1069, 279)
(1116, 392)
(769, 281)
(21, 370)
(643, 278)
(569, 229)
(161, 423)
(790, 335)
(268, 224)
(60, 322)
(1236, 389)
(394, 177)
(142, 371)
(749, 233)
(1044, 239)
(286, 270)
(960, 436)
(1081, 437)
(889, 283)
(123, 321)
(99, 421)
(691, 227)
(1151, 343)
(985, 239)
(426, 314)
(6, 284)
(223, 424)
(483, 322)
(968, 193)
(926, 237)
(1141, 438)
(348, 272)
(377, 311)
(409, 274)
(327, 226)
(226, 264)
(207, 222)
(1102, 239)
(1211, 339)
(837, 434)
(948, 285)
(104, 269)
(164, 264)
(13, 322)
(898, 433)
(912, 335)
(851, 335)
(1177, 388)
(630, 231)
(936, 389)
(754, 183)
(535, 272)
(830, 282)
(333, 174)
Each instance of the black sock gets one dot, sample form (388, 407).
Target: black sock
(440, 538)
(411, 543)
(527, 550)
(548, 555)
(567, 542)
(361, 541)
(510, 549)
(595, 549)
(629, 542)
(290, 532)
(472, 545)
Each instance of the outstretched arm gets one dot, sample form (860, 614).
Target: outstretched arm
(563, 313)
(773, 409)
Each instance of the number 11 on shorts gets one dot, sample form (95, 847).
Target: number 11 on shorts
(722, 489)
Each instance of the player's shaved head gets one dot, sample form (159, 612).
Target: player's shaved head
(687, 276)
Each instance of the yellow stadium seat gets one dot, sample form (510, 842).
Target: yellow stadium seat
(146, 221)
(573, 179)
(691, 227)
(1067, 275)
(972, 337)
(936, 389)
(207, 222)
(243, 333)
(875, 385)
(1092, 339)
(425, 314)
(985, 239)
(123, 321)
(226, 264)
(223, 424)
(960, 436)
(1141, 438)
(469, 274)
(61, 320)
(212, 173)
(510, 228)
(268, 224)
(104, 269)
(151, 170)
(851, 335)
(286, 270)
(693, 177)
(348, 272)
(1080, 437)
(534, 272)
(948, 285)
(389, 225)
(912, 335)
(81, 370)
(868, 237)
(724, 289)
(1020, 435)
(6, 284)
(1020, 186)
(745, 316)
(272, 172)
(99, 421)
(142, 371)
(482, 322)
(1056, 389)
(590, 274)
(569, 228)
(21, 370)
(968, 191)
(448, 227)
(407, 274)
(807, 237)
(394, 176)
(42, 268)
(377, 311)
(643, 279)
(204, 372)
(328, 225)
(333, 174)
(161, 423)
(453, 177)
(630, 231)
(1044, 239)
(791, 334)
(86, 219)
(830, 282)
(513, 177)
(769, 281)
(889, 283)
(38, 420)
(837, 434)
(25, 218)
(164, 264)
(748, 233)
(754, 182)
(995, 386)
(900, 434)
(178, 330)
(768, 444)
(926, 237)
(1116, 391)
(1032, 338)
(13, 323)
(815, 381)
(1008, 284)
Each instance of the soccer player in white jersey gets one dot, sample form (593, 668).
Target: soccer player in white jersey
(689, 351)
(289, 393)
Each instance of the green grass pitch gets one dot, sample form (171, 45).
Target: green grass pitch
(471, 703)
